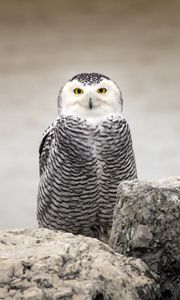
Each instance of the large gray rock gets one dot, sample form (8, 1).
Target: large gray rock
(44, 264)
(147, 225)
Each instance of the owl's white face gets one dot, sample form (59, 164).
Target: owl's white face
(92, 102)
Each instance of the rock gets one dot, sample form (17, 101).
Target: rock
(146, 224)
(44, 264)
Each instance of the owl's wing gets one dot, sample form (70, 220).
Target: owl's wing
(45, 146)
(127, 148)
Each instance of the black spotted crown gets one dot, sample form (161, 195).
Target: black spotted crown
(90, 78)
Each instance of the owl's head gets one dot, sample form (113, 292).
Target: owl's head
(90, 96)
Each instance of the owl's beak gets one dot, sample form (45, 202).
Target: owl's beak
(90, 103)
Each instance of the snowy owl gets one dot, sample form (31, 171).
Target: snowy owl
(84, 155)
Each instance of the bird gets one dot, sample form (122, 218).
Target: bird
(83, 156)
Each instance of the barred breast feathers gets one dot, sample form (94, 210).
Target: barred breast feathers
(80, 167)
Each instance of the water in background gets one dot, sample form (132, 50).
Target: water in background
(44, 43)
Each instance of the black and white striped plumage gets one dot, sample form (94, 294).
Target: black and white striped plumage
(83, 159)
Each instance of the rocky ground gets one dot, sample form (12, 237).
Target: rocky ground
(44, 264)
(147, 225)
(141, 263)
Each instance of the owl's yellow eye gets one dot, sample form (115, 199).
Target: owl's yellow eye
(102, 91)
(78, 91)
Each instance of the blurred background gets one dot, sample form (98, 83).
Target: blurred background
(43, 43)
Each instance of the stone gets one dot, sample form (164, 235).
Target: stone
(43, 264)
(146, 224)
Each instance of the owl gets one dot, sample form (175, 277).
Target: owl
(83, 156)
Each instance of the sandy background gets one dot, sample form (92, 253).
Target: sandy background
(43, 43)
